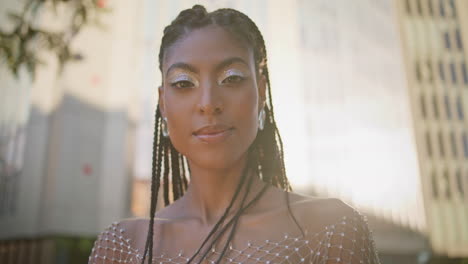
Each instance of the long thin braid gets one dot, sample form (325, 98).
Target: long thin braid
(235, 219)
(175, 172)
(166, 168)
(237, 216)
(155, 183)
(249, 183)
(184, 178)
(223, 217)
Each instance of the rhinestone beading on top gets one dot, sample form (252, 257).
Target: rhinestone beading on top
(348, 241)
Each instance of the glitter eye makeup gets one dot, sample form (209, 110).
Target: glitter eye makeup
(182, 81)
(232, 72)
(232, 76)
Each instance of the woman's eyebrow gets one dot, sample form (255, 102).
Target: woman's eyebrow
(182, 66)
(230, 61)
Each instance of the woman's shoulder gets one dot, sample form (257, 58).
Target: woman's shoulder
(321, 210)
(127, 230)
(117, 242)
(339, 232)
(315, 212)
(319, 214)
(139, 225)
(132, 227)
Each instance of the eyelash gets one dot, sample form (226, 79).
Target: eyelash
(177, 84)
(238, 77)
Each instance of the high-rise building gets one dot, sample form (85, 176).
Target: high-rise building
(434, 34)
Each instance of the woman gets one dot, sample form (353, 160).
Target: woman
(214, 122)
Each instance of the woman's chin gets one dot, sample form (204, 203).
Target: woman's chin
(216, 161)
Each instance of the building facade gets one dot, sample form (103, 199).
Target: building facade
(434, 34)
(68, 140)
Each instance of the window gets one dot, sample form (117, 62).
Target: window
(448, 44)
(428, 73)
(464, 73)
(453, 10)
(459, 181)
(448, 193)
(441, 8)
(447, 107)
(458, 39)
(423, 106)
(435, 106)
(440, 137)
(423, 71)
(465, 144)
(461, 114)
(419, 7)
(418, 72)
(453, 72)
(430, 7)
(408, 7)
(429, 144)
(435, 187)
(453, 142)
(441, 71)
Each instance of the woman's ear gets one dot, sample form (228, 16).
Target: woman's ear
(161, 101)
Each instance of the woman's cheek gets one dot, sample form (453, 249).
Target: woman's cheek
(246, 113)
(179, 124)
(248, 104)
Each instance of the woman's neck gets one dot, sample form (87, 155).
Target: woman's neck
(211, 191)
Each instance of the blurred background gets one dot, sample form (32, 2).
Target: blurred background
(370, 98)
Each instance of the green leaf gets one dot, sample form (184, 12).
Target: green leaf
(20, 47)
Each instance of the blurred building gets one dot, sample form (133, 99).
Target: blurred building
(360, 144)
(67, 140)
(385, 87)
(376, 89)
(434, 36)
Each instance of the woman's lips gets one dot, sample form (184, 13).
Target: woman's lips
(215, 137)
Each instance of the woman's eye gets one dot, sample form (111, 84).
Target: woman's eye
(233, 79)
(182, 84)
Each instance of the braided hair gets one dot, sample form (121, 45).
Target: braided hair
(265, 155)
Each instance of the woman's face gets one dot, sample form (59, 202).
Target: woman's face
(211, 97)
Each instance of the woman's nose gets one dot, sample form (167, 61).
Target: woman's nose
(210, 99)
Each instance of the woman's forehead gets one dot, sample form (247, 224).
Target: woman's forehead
(207, 46)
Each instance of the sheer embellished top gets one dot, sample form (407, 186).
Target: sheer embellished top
(347, 241)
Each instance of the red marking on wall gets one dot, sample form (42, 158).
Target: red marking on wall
(95, 80)
(87, 169)
(101, 3)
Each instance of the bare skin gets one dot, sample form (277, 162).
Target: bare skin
(201, 87)
(176, 230)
